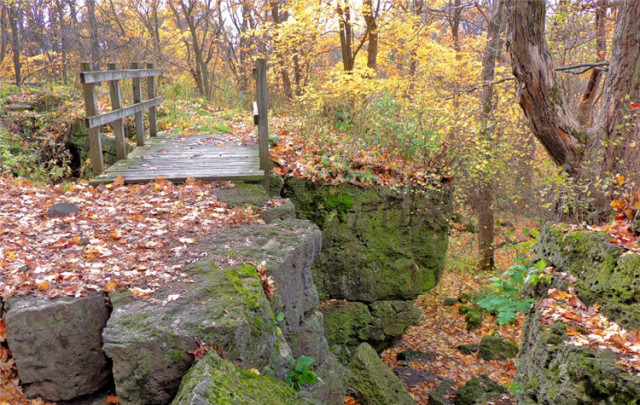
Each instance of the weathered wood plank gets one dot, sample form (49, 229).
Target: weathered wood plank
(91, 108)
(97, 76)
(262, 99)
(137, 99)
(117, 125)
(106, 118)
(177, 158)
(151, 94)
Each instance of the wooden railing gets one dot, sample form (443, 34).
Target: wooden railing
(90, 78)
(262, 117)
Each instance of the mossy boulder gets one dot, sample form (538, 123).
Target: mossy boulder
(243, 194)
(149, 340)
(372, 382)
(603, 272)
(553, 371)
(478, 391)
(495, 347)
(216, 381)
(57, 345)
(289, 247)
(347, 324)
(443, 394)
(378, 243)
(472, 317)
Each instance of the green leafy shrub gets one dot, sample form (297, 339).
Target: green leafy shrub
(504, 298)
(301, 374)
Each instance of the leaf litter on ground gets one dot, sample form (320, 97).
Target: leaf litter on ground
(444, 328)
(133, 237)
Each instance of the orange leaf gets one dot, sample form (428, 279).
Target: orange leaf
(110, 287)
(112, 399)
(119, 181)
(43, 285)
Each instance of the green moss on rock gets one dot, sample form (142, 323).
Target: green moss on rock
(347, 324)
(216, 381)
(373, 382)
(495, 347)
(476, 391)
(554, 372)
(603, 273)
(378, 243)
(243, 194)
(149, 341)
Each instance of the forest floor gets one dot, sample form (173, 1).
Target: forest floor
(444, 328)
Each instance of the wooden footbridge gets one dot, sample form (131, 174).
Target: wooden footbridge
(174, 157)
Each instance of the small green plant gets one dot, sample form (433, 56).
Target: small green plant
(301, 374)
(279, 317)
(505, 298)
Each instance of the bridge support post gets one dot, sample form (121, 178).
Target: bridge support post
(262, 99)
(91, 107)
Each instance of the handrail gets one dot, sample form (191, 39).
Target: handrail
(90, 78)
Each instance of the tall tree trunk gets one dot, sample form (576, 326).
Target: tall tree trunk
(455, 34)
(286, 82)
(585, 153)
(372, 29)
(3, 31)
(621, 89)
(537, 88)
(485, 192)
(93, 32)
(346, 35)
(64, 38)
(585, 109)
(14, 10)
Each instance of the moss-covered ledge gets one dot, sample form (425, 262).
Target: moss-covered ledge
(377, 243)
(554, 372)
(605, 272)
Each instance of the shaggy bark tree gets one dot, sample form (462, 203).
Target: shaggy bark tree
(587, 153)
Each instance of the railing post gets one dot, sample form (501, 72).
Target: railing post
(137, 98)
(91, 108)
(151, 92)
(262, 99)
(117, 125)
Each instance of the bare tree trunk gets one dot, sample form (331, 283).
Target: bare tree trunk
(93, 32)
(346, 35)
(286, 82)
(586, 153)
(537, 89)
(14, 10)
(585, 109)
(372, 27)
(485, 192)
(3, 31)
(621, 88)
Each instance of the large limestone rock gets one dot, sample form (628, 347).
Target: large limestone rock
(372, 382)
(347, 324)
(289, 249)
(148, 340)
(603, 273)
(554, 372)
(216, 381)
(377, 243)
(57, 345)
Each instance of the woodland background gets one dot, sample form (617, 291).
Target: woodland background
(369, 92)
